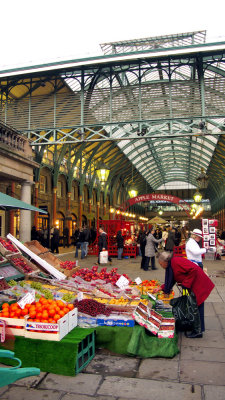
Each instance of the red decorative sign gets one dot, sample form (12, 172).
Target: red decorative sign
(155, 197)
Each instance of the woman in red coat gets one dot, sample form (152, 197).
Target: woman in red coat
(190, 276)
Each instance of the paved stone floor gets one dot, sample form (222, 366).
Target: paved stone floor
(196, 373)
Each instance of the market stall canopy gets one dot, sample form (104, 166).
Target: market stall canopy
(10, 203)
(157, 220)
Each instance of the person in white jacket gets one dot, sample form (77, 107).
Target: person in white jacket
(193, 250)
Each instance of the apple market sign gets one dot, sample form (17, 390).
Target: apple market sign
(155, 197)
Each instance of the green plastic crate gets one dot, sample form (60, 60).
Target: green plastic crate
(86, 352)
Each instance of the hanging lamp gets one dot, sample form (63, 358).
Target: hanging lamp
(132, 191)
(102, 172)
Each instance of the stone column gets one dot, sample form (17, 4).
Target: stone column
(25, 215)
(36, 187)
(11, 212)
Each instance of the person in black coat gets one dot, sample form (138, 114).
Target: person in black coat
(120, 242)
(102, 243)
(142, 241)
(55, 240)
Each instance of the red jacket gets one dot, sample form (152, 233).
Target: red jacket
(192, 277)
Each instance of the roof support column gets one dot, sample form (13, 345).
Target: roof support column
(25, 215)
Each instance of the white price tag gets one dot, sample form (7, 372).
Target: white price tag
(151, 296)
(138, 281)
(27, 299)
(80, 296)
(122, 282)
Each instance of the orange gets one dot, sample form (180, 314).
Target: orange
(5, 314)
(5, 305)
(56, 317)
(60, 303)
(51, 311)
(70, 306)
(61, 313)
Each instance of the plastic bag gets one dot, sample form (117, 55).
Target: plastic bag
(103, 257)
(186, 313)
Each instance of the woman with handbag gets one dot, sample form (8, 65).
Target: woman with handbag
(190, 276)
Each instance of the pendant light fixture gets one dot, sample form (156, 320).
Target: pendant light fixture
(132, 191)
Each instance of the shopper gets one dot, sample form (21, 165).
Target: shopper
(120, 242)
(55, 239)
(66, 237)
(142, 241)
(87, 238)
(190, 276)
(150, 249)
(170, 243)
(102, 243)
(193, 250)
(164, 237)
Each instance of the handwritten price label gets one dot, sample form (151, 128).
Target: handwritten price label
(27, 299)
(138, 281)
(122, 282)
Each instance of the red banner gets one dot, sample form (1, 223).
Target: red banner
(156, 197)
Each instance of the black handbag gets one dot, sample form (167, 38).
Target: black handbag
(186, 313)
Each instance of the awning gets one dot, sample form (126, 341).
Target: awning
(157, 220)
(10, 203)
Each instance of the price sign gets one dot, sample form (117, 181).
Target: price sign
(80, 296)
(138, 281)
(27, 299)
(151, 296)
(122, 282)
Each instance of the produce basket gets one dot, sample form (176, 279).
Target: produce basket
(36, 247)
(7, 247)
(22, 264)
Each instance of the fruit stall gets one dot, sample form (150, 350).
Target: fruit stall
(65, 312)
(111, 227)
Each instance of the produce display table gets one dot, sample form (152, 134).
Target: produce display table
(135, 342)
(61, 357)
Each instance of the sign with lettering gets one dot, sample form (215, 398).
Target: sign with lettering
(155, 197)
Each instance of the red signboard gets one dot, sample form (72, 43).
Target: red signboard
(155, 197)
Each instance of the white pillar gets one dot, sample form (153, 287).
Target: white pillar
(25, 215)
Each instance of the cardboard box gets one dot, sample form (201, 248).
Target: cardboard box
(166, 331)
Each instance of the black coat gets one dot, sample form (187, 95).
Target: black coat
(102, 241)
(119, 240)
